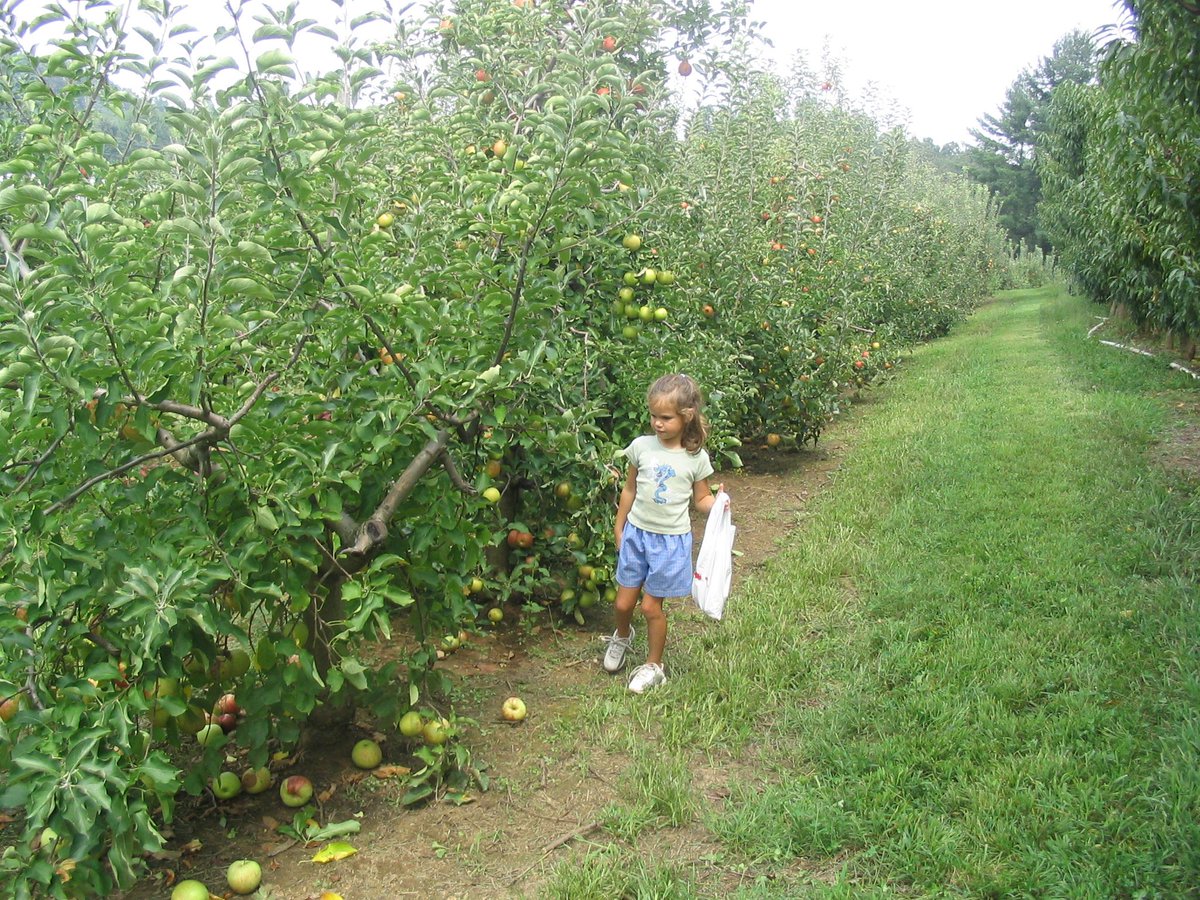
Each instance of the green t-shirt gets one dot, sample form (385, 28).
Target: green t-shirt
(665, 483)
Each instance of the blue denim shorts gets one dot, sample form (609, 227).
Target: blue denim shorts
(660, 564)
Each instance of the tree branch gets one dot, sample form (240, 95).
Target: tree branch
(57, 506)
(374, 531)
(455, 476)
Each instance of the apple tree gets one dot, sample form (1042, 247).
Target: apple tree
(260, 376)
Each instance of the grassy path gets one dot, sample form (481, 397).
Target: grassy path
(974, 673)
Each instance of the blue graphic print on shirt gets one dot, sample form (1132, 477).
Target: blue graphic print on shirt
(661, 474)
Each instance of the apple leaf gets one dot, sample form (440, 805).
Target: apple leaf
(335, 851)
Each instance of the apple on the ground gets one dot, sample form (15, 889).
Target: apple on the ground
(191, 889)
(226, 786)
(296, 790)
(255, 781)
(513, 709)
(244, 876)
(366, 754)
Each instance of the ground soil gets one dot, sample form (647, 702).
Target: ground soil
(546, 793)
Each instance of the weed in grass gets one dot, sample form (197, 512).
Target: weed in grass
(608, 872)
(657, 791)
(627, 822)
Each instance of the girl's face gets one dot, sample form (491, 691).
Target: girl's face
(667, 421)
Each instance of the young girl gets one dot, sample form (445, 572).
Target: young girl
(667, 469)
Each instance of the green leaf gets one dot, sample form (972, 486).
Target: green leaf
(266, 519)
(21, 195)
(33, 231)
(207, 72)
(249, 287)
(275, 62)
(354, 672)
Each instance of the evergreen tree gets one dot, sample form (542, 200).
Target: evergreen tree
(1003, 158)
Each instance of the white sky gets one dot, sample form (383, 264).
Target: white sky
(935, 66)
(948, 62)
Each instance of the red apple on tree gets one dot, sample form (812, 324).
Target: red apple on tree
(10, 707)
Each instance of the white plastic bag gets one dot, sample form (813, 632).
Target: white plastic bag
(714, 563)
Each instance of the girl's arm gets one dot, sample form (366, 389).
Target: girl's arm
(628, 492)
(704, 496)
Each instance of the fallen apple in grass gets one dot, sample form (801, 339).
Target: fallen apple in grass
(244, 876)
(366, 754)
(255, 781)
(495, 615)
(296, 790)
(226, 786)
(513, 710)
(190, 890)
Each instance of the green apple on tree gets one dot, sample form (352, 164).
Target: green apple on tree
(436, 732)
(411, 724)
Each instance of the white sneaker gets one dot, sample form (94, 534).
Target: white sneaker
(646, 676)
(614, 656)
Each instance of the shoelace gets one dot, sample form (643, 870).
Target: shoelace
(645, 669)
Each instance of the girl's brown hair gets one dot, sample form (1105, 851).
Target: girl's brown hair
(683, 391)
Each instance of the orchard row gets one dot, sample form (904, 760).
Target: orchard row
(297, 367)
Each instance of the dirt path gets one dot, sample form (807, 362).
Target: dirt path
(545, 794)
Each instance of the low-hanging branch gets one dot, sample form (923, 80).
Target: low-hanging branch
(373, 532)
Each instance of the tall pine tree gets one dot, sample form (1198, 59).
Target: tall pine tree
(1003, 158)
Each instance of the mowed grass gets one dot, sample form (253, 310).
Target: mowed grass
(975, 671)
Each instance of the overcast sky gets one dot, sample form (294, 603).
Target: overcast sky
(935, 66)
(947, 62)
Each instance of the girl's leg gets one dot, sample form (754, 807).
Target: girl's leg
(625, 604)
(656, 627)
